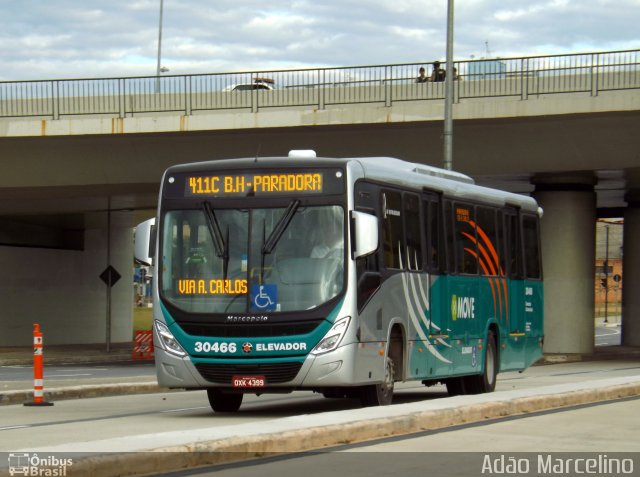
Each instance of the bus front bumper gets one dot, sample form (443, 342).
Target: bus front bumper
(349, 365)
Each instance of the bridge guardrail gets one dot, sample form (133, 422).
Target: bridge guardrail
(524, 78)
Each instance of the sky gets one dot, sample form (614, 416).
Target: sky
(50, 39)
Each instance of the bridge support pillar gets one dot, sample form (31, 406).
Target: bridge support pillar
(631, 270)
(568, 256)
(61, 287)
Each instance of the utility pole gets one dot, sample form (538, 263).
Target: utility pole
(158, 69)
(606, 276)
(448, 93)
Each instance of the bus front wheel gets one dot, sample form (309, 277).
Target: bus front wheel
(224, 402)
(379, 394)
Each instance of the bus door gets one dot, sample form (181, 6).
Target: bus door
(515, 286)
(438, 312)
(465, 302)
(368, 268)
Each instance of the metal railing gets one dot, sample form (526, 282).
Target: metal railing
(524, 78)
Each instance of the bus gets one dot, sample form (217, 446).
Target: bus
(341, 276)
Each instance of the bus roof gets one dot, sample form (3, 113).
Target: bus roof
(449, 183)
(388, 170)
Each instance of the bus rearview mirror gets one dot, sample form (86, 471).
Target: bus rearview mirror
(365, 233)
(145, 241)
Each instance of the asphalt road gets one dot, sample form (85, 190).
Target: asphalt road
(21, 376)
(607, 336)
(88, 420)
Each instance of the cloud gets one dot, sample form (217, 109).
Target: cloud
(66, 38)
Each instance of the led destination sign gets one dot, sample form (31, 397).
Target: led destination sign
(254, 184)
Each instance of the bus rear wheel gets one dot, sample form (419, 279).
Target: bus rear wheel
(478, 383)
(379, 394)
(224, 402)
(485, 382)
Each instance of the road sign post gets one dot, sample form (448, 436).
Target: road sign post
(110, 277)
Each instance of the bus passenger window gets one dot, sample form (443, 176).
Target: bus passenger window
(449, 237)
(533, 270)
(487, 241)
(465, 239)
(500, 245)
(432, 221)
(412, 232)
(514, 247)
(392, 230)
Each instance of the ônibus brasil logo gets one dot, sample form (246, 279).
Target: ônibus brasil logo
(28, 464)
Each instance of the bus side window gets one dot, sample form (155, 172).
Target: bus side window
(449, 237)
(487, 241)
(500, 245)
(413, 233)
(465, 239)
(530, 234)
(514, 245)
(433, 230)
(392, 228)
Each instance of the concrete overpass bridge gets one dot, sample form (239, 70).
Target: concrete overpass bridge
(82, 160)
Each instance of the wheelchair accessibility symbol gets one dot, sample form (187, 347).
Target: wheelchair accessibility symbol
(264, 297)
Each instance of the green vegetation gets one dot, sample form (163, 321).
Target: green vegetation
(142, 319)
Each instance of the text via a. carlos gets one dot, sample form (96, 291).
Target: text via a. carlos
(212, 287)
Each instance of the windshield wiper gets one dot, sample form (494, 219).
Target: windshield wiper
(280, 227)
(219, 242)
(268, 244)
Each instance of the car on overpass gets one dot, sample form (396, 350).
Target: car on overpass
(258, 83)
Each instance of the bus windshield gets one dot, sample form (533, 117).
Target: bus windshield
(252, 260)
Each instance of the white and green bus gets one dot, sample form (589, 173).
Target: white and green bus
(340, 276)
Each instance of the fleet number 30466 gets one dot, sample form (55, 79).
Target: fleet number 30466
(215, 347)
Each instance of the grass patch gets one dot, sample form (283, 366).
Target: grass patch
(142, 319)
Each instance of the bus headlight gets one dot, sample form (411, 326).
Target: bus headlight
(168, 341)
(333, 337)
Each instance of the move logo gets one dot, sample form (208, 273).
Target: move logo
(463, 307)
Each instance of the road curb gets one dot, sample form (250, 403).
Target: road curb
(229, 450)
(80, 392)
(75, 360)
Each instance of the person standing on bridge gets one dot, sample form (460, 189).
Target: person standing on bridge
(438, 74)
(422, 76)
